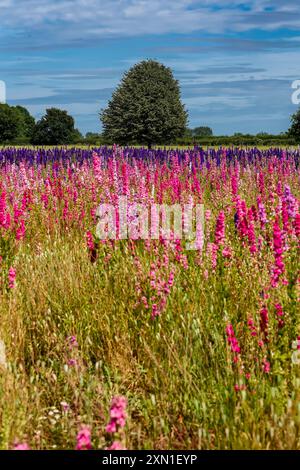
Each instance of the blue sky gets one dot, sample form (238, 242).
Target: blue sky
(235, 60)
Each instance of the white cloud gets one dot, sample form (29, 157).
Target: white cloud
(134, 17)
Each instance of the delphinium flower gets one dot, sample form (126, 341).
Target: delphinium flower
(45, 200)
(240, 217)
(207, 215)
(84, 439)
(213, 251)
(21, 446)
(233, 342)
(279, 267)
(239, 388)
(90, 241)
(20, 232)
(280, 314)
(72, 345)
(65, 214)
(116, 445)
(220, 229)
(254, 213)
(279, 188)
(17, 213)
(117, 414)
(285, 218)
(93, 247)
(97, 167)
(227, 252)
(297, 226)
(234, 185)
(261, 182)
(252, 327)
(179, 255)
(2, 209)
(264, 321)
(5, 218)
(125, 179)
(262, 213)
(290, 201)
(252, 238)
(266, 366)
(161, 282)
(11, 278)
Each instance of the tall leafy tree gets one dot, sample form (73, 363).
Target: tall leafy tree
(55, 128)
(10, 123)
(28, 123)
(146, 107)
(294, 130)
(202, 131)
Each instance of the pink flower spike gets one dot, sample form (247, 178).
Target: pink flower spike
(116, 445)
(117, 414)
(266, 366)
(11, 278)
(84, 439)
(21, 446)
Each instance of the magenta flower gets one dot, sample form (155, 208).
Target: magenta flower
(252, 327)
(278, 268)
(264, 321)
(90, 241)
(262, 213)
(4, 215)
(226, 252)
(117, 414)
(252, 238)
(21, 446)
(266, 366)
(72, 342)
(97, 165)
(279, 313)
(233, 342)
(116, 445)
(220, 229)
(297, 226)
(72, 362)
(84, 439)
(20, 232)
(11, 278)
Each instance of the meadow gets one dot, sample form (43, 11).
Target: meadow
(144, 344)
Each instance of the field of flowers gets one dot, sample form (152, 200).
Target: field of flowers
(143, 344)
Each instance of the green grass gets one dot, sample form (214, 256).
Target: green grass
(176, 371)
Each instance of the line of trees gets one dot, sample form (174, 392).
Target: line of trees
(239, 139)
(56, 127)
(145, 108)
(15, 123)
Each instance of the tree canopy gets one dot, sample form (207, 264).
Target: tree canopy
(146, 107)
(202, 131)
(54, 128)
(27, 123)
(294, 130)
(16, 124)
(10, 123)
